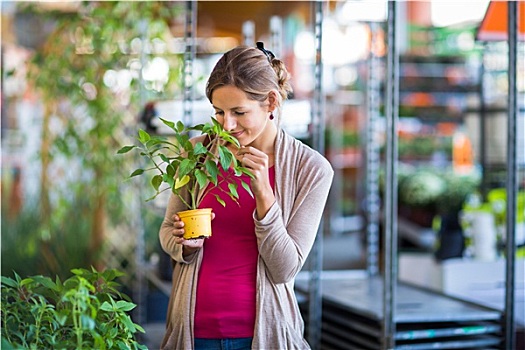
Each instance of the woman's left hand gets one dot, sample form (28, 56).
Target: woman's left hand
(258, 163)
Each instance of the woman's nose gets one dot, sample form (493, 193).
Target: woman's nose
(229, 122)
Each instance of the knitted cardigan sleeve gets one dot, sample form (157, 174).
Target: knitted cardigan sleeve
(286, 234)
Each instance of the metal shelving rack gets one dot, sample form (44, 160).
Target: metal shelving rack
(378, 312)
(352, 312)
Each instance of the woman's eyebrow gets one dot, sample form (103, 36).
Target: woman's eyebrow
(233, 108)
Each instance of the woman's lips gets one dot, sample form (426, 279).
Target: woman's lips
(236, 134)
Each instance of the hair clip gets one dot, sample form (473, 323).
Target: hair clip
(267, 53)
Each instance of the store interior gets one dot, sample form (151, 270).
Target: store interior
(80, 79)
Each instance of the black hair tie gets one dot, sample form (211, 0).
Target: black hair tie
(267, 53)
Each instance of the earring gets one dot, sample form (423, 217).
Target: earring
(271, 116)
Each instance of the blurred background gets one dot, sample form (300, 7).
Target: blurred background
(80, 78)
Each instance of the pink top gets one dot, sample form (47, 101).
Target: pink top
(225, 305)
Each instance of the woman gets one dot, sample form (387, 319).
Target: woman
(236, 289)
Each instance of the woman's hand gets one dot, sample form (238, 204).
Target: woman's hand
(190, 245)
(258, 163)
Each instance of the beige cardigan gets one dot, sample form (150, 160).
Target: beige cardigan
(285, 236)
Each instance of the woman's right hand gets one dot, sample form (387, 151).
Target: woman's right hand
(190, 245)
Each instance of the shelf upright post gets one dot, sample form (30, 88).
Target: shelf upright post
(276, 35)
(512, 183)
(248, 33)
(483, 125)
(140, 286)
(190, 33)
(390, 249)
(372, 158)
(318, 122)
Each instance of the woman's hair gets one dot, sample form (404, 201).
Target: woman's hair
(251, 70)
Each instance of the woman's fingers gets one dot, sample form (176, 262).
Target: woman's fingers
(178, 232)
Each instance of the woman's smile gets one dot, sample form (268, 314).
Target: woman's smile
(236, 134)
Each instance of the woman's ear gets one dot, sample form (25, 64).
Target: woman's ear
(272, 101)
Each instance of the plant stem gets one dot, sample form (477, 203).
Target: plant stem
(76, 323)
(38, 322)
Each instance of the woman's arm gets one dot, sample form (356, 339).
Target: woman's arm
(284, 247)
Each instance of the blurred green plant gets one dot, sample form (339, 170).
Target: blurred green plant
(87, 114)
(85, 311)
(28, 246)
(457, 190)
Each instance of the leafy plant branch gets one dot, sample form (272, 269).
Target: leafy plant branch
(183, 164)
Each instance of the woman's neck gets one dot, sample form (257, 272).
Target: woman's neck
(266, 140)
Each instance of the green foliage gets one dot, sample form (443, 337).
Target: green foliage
(71, 69)
(458, 188)
(439, 189)
(421, 188)
(86, 113)
(183, 165)
(32, 244)
(85, 311)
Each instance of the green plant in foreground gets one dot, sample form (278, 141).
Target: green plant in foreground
(184, 165)
(86, 311)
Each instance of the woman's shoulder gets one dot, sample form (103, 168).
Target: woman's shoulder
(306, 155)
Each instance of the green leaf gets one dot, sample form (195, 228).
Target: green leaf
(170, 180)
(125, 305)
(201, 177)
(26, 281)
(164, 158)
(168, 123)
(9, 281)
(216, 124)
(125, 149)
(143, 136)
(45, 281)
(186, 166)
(156, 181)
(219, 199)
(199, 148)
(106, 306)
(87, 322)
(137, 172)
(225, 157)
(171, 169)
(141, 330)
(247, 188)
(226, 136)
(213, 171)
(233, 189)
(247, 172)
(180, 126)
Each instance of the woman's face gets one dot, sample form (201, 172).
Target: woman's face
(248, 120)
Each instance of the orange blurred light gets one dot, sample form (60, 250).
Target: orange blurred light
(494, 26)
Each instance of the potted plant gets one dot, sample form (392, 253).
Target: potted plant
(188, 167)
(85, 311)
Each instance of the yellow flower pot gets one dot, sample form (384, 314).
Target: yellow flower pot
(197, 223)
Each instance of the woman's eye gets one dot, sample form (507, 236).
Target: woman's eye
(240, 113)
(219, 113)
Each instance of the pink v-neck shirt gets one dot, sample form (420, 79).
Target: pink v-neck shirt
(226, 288)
